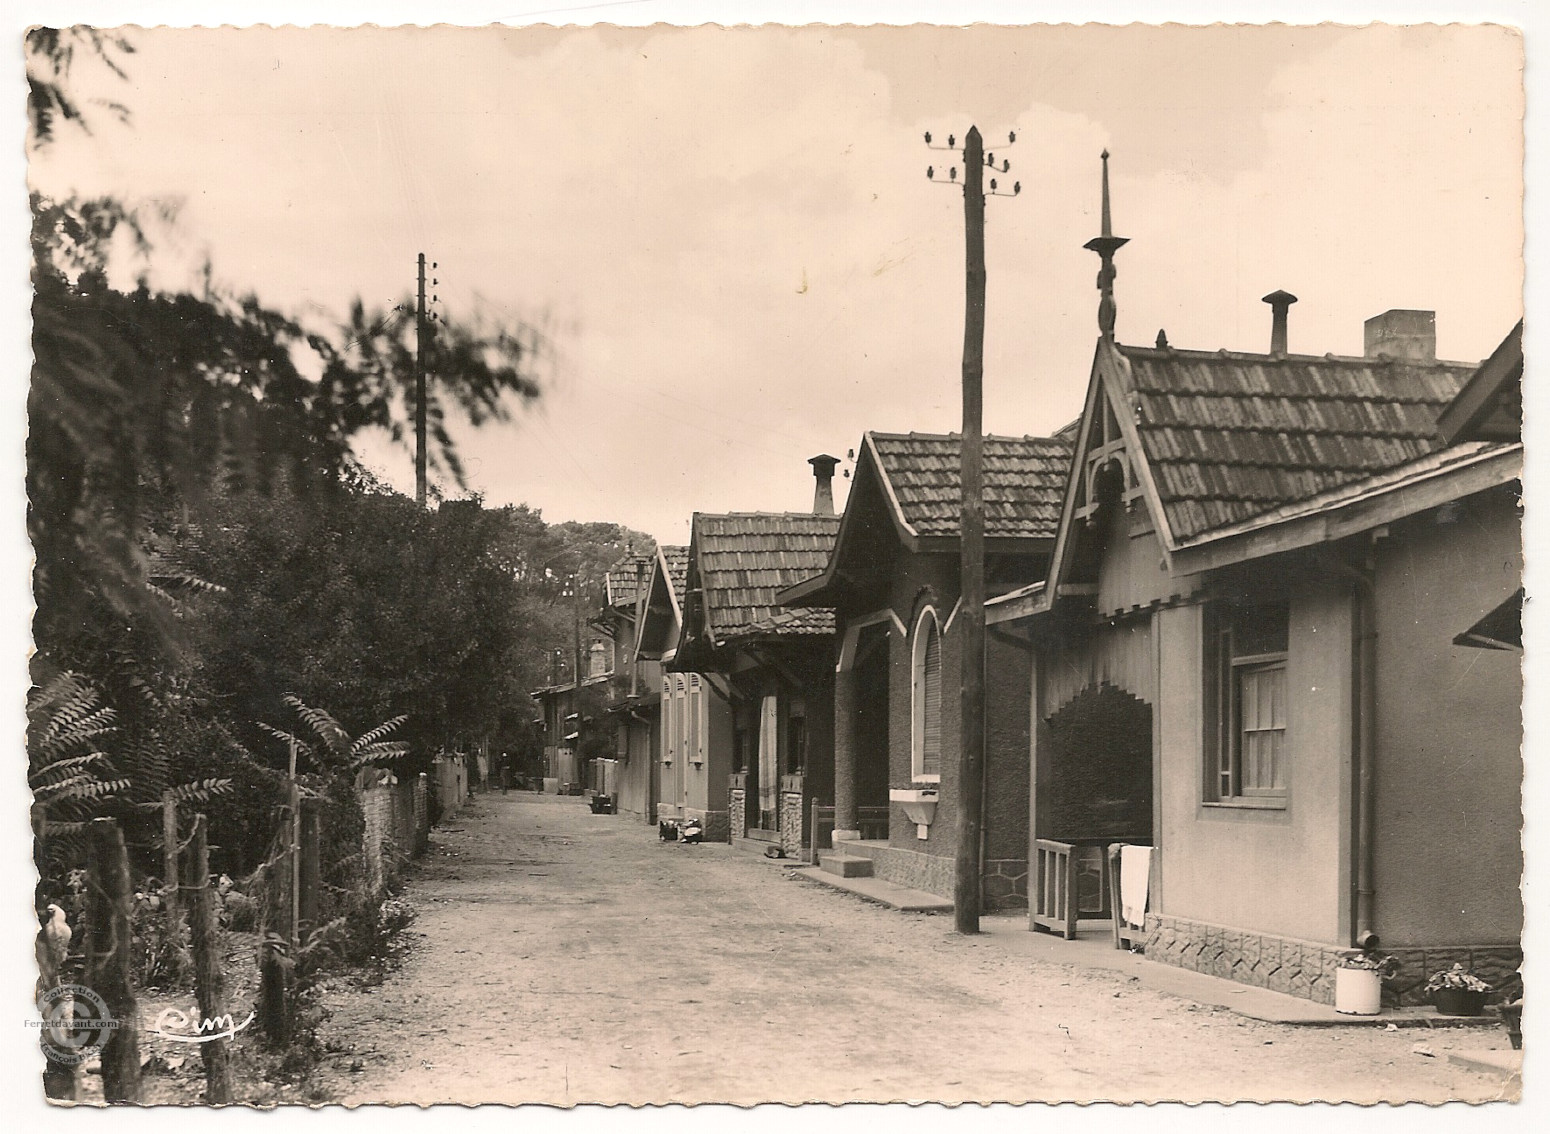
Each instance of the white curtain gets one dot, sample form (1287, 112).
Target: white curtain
(769, 755)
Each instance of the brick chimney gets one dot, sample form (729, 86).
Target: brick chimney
(1280, 302)
(1401, 333)
(823, 491)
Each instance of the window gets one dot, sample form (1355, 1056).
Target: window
(1247, 694)
(796, 744)
(926, 699)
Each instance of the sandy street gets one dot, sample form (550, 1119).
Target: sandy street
(566, 957)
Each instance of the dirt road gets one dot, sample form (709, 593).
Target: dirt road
(568, 958)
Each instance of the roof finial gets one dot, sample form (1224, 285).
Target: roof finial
(1106, 245)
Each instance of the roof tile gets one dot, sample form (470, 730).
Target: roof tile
(1229, 435)
(745, 558)
(1025, 481)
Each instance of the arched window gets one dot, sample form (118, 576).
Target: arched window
(926, 699)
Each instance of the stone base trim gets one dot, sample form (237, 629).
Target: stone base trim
(714, 823)
(1307, 968)
(1004, 884)
(737, 814)
(1497, 965)
(1281, 964)
(792, 814)
(916, 870)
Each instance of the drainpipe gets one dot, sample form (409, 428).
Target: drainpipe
(1366, 631)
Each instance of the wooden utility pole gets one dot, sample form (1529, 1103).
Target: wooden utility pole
(971, 547)
(208, 989)
(419, 386)
(108, 958)
(971, 526)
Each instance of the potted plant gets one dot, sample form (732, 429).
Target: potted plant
(1457, 991)
(1359, 982)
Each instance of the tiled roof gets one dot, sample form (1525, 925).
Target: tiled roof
(745, 558)
(1025, 480)
(677, 557)
(1229, 436)
(625, 578)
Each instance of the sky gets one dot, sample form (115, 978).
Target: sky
(729, 241)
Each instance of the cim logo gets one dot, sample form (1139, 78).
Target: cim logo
(175, 1024)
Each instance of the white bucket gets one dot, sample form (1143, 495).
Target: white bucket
(1358, 992)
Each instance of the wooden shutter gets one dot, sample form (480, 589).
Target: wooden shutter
(931, 693)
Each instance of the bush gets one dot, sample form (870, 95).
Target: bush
(160, 956)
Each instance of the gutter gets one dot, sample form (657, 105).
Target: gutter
(1365, 631)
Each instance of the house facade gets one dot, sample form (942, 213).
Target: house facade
(1247, 655)
(629, 775)
(892, 585)
(770, 669)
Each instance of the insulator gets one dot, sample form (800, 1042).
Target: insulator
(992, 184)
(928, 137)
(990, 160)
(1006, 166)
(1017, 187)
(1011, 137)
(953, 173)
(951, 141)
(930, 172)
(433, 265)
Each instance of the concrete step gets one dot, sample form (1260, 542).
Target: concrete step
(846, 865)
(877, 890)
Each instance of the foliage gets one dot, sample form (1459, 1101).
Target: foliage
(50, 55)
(1456, 977)
(69, 775)
(1380, 963)
(160, 955)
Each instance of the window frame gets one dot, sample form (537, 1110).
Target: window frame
(1226, 670)
(919, 646)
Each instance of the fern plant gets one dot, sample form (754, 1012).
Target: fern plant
(332, 748)
(70, 776)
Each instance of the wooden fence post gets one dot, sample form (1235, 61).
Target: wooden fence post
(108, 959)
(310, 880)
(277, 964)
(207, 964)
(171, 900)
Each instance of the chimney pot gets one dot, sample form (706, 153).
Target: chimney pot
(1401, 333)
(823, 491)
(1280, 303)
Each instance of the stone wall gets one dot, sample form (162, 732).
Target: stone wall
(792, 814)
(1307, 968)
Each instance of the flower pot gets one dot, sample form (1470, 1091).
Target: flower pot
(1459, 1002)
(1358, 992)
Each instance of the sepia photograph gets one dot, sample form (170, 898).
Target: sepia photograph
(627, 558)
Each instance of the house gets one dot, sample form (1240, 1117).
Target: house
(767, 751)
(687, 714)
(1245, 654)
(628, 775)
(567, 711)
(891, 582)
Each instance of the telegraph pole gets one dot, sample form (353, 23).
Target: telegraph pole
(971, 533)
(419, 386)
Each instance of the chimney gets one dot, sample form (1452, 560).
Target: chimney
(1280, 302)
(1401, 333)
(823, 491)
